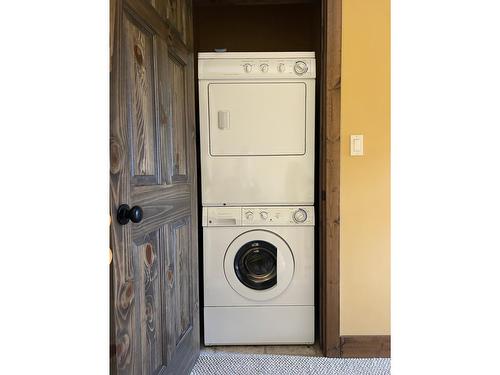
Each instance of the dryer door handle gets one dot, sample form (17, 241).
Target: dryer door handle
(223, 120)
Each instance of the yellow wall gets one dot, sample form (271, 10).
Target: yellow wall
(365, 180)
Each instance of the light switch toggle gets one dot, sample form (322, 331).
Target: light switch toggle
(223, 119)
(357, 145)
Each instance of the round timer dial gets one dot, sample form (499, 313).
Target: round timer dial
(300, 67)
(300, 216)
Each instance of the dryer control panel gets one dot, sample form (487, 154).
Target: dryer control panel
(258, 216)
(248, 65)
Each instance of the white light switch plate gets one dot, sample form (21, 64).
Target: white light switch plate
(357, 145)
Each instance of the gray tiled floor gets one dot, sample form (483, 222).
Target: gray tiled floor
(224, 361)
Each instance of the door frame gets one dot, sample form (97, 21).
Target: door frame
(329, 179)
(328, 187)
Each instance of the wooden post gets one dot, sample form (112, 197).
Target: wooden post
(330, 179)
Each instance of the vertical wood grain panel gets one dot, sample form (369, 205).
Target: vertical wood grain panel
(148, 276)
(172, 11)
(163, 108)
(178, 14)
(178, 113)
(181, 20)
(112, 24)
(182, 247)
(188, 34)
(140, 92)
(168, 294)
(330, 179)
(161, 7)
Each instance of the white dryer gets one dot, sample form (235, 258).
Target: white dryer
(257, 128)
(258, 275)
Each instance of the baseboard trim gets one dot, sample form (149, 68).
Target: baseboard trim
(365, 346)
(333, 352)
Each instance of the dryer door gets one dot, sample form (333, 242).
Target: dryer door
(259, 118)
(259, 265)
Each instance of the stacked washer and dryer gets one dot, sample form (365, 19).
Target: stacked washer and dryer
(257, 180)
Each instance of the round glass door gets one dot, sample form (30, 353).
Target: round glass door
(259, 265)
(255, 265)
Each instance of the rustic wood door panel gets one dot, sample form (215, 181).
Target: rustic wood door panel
(179, 14)
(179, 110)
(146, 253)
(180, 240)
(152, 164)
(140, 92)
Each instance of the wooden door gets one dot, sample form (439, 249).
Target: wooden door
(155, 308)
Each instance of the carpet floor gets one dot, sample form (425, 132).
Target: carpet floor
(264, 364)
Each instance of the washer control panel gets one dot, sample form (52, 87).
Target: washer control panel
(265, 216)
(258, 216)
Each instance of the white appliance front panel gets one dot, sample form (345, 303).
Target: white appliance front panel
(257, 118)
(269, 325)
(275, 177)
(217, 289)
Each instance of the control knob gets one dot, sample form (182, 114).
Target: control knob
(247, 68)
(300, 67)
(249, 215)
(264, 215)
(264, 68)
(281, 67)
(300, 216)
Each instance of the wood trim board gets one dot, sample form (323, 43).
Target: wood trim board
(329, 205)
(365, 346)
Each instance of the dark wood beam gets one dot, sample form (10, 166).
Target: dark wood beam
(329, 205)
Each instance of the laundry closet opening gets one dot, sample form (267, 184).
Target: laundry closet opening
(260, 26)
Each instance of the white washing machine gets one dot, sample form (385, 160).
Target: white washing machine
(258, 275)
(257, 128)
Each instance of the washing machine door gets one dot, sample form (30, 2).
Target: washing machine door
(259, 265)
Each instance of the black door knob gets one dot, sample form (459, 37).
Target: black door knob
(125, 213)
